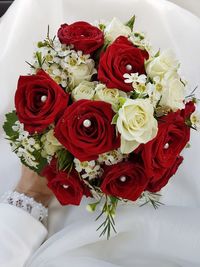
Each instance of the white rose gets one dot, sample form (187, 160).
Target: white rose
(83, 72)
(109, 95)
(50, 144)
(173, 93)
(162, 64)
(115, 29)
(85, 90)
(136, 124)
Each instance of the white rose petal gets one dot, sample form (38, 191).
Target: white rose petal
(109, 95)
(85, 90)
(50, 149)
(195, 120)
(162, 64)
(79, 73)
(115, 29)
(136, 124)
(50, 144)
(173, 93)
(52, 139)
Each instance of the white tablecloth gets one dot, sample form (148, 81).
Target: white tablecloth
(171, 233)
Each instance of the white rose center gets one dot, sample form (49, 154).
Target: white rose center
(136, 117)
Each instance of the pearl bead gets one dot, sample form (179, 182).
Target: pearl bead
(43, 98)
(129, 67)
(123, 179)
(87, 123)
(65, 186)
(166, 146)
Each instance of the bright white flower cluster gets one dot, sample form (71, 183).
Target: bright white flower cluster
(92, 169)
(138, 82)
(25, 145)
(88, 169)
(65, 65)
(111, 157)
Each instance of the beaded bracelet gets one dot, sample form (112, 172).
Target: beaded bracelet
(28, 204)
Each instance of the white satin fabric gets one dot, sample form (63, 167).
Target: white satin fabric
(192, 5)
(164, 238)
(18, 242)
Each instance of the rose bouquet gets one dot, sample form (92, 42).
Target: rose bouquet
(102, 115)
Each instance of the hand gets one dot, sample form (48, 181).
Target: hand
(33, 185)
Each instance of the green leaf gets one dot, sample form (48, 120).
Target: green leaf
(25, 164)
(32, 67)
(134, 95)
(41, 44)
(122, 100)
(92, 206)
(65, 159)
(106, 44)
(188, 145)
(42, 161)
(102, 26)
(114, 120)
(157, 54)
(131, 23)
(113, 200)
(39, 58)
(48, 32)
(97, 54)
(11, 118)
(108, 212)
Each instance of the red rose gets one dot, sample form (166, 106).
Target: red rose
(50, 171)
(126, 180)
(155, 186)
(82, 35)
(121, 57)
(188, 110)
(39, 101)
(67, 188)
(86, 131)
(161, 153)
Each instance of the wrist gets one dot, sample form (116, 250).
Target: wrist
(37, 196)
(35, 186)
